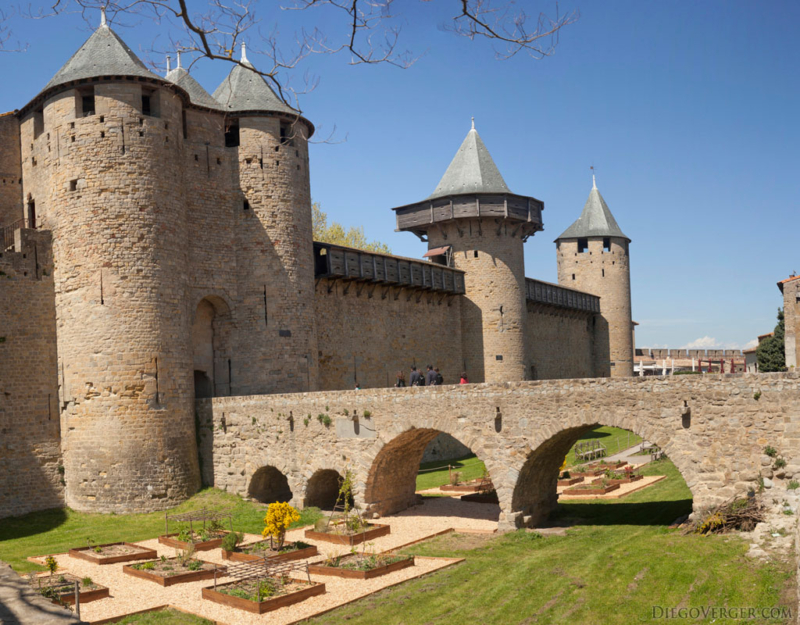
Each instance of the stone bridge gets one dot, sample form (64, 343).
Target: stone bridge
(292, 447)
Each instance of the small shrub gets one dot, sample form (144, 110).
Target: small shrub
(455, 478)
(163, 558)
(346, 412)
(194, 565)
(367, 414)
(326, 421)
(320, 417)
(770, 451)
(757, 395)
(87, 582)
(565, 475)
(51, 564)
(232, 540)
(305, 421)
(148, 566)
(277, 520)
(98, 549)
(780, 462)
(788, 511)
(793, 485)
(321, 525)
(185, 536)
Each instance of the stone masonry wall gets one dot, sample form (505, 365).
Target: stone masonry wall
(30, 447)
(713, 429)
(373, 331)
(560, 343)
(10, 170)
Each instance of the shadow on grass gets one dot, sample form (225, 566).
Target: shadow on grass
(456, 463)
(31, 524)
(620, 513)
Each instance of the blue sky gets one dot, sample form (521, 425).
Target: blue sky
(687, 110)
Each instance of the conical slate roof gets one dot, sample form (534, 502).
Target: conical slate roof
(246, 90)
(197, 94)
(472, 170)
(596, 220)
(103, 54)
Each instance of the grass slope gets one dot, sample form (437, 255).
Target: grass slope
(56, 531)
(613, 439)
(610, 570)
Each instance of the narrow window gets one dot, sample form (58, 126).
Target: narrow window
(73, 185)
(197, 158)
(146, 103)
(38, 123)
(606, 244)
(583, 245)
(246, 205)
(476, 253)
(31, 214)
(87, 103)
(573, 276)
(102, 135)
(604, 273)
(232, 139)
(102, 118)
(183, 124)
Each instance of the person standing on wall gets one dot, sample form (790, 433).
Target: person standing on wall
(439, 378)
(401, 380)
(416, 378)
(464, 379)
(430, 377)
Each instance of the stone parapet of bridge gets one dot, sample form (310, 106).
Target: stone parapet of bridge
(714, 428)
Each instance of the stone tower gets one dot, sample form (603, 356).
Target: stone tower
(100, 151)
(473, 222)
(275, 258)
(593, 256)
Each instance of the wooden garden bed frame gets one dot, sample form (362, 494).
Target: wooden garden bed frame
(376, 531)
(627, 480)
(97, 558)
(570, 481)
(195, 516)
(297, 554)
(595, 490)
(180, 578)
(322, 569)
(68, 597)
(257, 571)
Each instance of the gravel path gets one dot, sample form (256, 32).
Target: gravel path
(129, 594)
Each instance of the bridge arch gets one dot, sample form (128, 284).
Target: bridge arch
(322, 489)
(390, 484)
(269, 485)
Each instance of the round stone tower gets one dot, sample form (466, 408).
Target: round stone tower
(101, 146)
(593, 256)
(275, 259)
(473, 222)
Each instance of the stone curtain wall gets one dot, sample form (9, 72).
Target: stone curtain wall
(30, 446)
(373, 331)
(10, 171)
(712, 428)
(560, 343)
(444, 447)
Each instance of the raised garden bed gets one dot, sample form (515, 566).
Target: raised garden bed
(591, 489)
(481, 497)
(587, 473)
(605, 466)
(244, 596)
(625, 480)
(570, 481)
(297, 550)
(60, 588)
(113, 553)
(472, 486)
(362, 566)
(345, 537)
(170, 571)
(212, 540)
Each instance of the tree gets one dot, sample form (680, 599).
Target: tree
(770, 352)
(278, 519)
(336, 234)
(367, 30)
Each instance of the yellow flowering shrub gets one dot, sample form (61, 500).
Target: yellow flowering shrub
(279, 517)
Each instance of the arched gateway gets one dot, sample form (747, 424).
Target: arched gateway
(713, 428)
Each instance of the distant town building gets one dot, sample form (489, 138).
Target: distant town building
(665, 361)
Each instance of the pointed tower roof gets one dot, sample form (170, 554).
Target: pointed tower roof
(103, 54)
(246, 90)
(596, 219)
(472, 170)
(197, 95)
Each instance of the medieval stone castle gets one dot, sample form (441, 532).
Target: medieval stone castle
(157, 248)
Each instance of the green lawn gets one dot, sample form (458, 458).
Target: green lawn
(55, 531)
(611, 569)
(471, 467)
(165, 617)
(614, 440)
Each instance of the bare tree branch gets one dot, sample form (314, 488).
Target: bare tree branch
(6, 33)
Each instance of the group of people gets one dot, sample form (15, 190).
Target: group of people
(432, 377)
